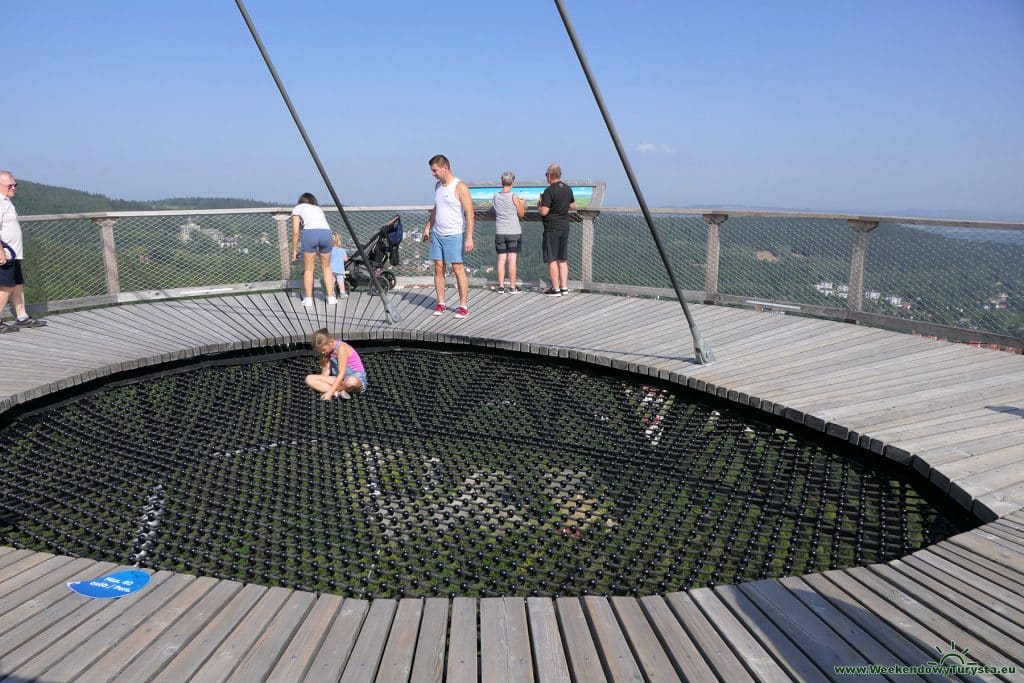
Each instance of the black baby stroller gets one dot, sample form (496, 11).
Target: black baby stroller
(381, 252)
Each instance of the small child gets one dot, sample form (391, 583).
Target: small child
(335, 354)
(338, 256)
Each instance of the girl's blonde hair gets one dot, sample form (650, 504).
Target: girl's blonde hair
(335, 239)
(320, 338)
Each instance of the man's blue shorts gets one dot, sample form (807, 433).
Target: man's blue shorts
(447, 248)
(316, 241)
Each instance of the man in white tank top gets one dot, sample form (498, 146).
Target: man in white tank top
(449, 230)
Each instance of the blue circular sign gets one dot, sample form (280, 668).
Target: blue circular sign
(115, 585)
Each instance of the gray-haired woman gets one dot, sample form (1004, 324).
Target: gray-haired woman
(508, 234)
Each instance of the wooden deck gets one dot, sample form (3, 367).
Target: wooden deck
(955, 413)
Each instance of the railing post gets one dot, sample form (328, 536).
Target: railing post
(106, 226)
(712, 256)
(587, 258)
(855, 288)
(281, 218)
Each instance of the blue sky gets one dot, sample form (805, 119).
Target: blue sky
(871, 106)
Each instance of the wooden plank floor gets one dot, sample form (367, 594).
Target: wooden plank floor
(956, 413)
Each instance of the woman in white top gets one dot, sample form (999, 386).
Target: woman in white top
(309, 218)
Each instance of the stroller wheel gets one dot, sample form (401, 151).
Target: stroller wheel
(389, 280)
(350, 283)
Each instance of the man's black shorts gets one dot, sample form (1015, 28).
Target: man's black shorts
(556, 245)
(10, 274)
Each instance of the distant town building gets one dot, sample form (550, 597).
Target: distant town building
(842, 291)
(1000, 300)
(186, 229)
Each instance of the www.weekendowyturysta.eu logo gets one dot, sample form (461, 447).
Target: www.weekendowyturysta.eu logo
(955, 656)
(949, 662)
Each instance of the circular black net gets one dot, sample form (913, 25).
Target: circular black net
(456, 473)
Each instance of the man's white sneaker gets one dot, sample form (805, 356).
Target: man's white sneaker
(307, 301)
(332, 300)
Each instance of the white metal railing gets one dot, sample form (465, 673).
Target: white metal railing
(956, 279)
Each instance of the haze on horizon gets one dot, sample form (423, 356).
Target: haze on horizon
(872, 107)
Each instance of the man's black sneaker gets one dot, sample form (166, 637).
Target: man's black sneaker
(564, 290)
(7, 327)
(29, 322)
(552, 292)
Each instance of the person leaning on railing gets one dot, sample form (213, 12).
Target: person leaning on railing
(554, 206)
(508, 233)
(309, 222)
(12, 281)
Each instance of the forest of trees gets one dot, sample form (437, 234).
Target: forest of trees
(36, 199)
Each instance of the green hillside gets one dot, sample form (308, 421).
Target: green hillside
(35, 199)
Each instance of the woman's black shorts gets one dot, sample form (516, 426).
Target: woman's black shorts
(508, 244)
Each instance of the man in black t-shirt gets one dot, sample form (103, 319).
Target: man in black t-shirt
(555, 204)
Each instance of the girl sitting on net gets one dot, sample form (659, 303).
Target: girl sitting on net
(335, 354)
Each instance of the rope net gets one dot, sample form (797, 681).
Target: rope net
(454, 474)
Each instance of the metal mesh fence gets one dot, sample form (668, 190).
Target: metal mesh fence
(971, 279)
(625, 487)
(365, 224)
(964, 277)
(625, 253)
(63, 260)
(782, 259)
(167, 252)
(532, 270)
(480, 263)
